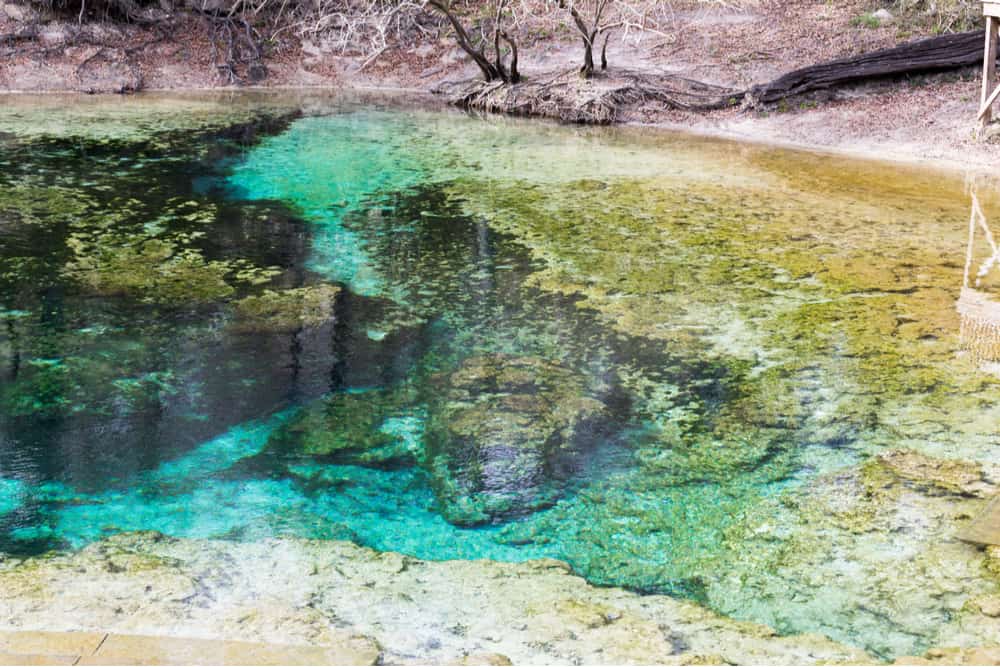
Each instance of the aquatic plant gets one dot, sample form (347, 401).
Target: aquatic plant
(352, 428)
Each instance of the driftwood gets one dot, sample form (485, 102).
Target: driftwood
(566, 98)
(935, 54)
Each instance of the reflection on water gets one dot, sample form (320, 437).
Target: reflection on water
(980, 314)
(341, 322)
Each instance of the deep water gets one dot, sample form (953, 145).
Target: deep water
(459, 338)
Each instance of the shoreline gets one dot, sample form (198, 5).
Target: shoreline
(905, 158)
(956, 160)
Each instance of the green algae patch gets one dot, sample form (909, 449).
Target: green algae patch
(287, 310)
(153, 270)
(123, 382)
(150, 116)
(155, 263)
(796, 279)
(37, 204)
(362, 428)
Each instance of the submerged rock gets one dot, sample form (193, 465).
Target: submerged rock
(939, 476)
(869, 555)
(366, 428)
(504, 434)
(287, 310)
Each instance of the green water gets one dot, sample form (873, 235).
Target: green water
(465, 338)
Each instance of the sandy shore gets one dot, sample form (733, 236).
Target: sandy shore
(919, 120)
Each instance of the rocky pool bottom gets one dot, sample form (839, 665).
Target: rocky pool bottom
(746, 378)
(880, 533)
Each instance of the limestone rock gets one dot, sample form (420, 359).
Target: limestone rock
(884, 16)
(879, 536)
(483, 659)
(320, 593)
(940, 475)
(504, 434)
(989, 606)
(954, 656)
(109, 71)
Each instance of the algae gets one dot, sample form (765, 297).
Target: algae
(755, 332)
(288, 310)
(357, 428)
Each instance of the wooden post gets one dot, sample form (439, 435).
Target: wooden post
(991, 10)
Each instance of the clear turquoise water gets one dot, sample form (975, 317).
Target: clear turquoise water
(123, 410)
(151, 472)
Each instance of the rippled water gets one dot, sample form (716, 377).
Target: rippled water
(465, 338)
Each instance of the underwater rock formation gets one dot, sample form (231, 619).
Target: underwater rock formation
(504, 434)
(350, 429)
(338, 594)
(286, 310)
(872, 543)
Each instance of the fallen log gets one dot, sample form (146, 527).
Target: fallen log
(935, 54)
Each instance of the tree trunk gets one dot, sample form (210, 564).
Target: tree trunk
(935, 54)
(514, 75)
(588, 59)
(489, 70)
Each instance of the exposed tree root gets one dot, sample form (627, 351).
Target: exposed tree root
(237, 48)
(568, 98)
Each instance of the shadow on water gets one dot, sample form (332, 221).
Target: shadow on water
(113, 396)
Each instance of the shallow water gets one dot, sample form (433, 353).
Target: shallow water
(745, 318)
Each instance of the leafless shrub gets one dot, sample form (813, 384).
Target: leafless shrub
(357, 27)
(592, 20)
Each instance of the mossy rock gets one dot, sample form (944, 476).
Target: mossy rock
(934, 475)
(366, 428)
(286, 310)
(719, 455)
(504, 435)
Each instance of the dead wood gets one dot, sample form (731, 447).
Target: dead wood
(935, 54)
(494, 70)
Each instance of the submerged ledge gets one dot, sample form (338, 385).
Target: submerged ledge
(337, 594)
(398, 610)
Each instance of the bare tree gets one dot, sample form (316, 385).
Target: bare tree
(496, 69)
(596, 18)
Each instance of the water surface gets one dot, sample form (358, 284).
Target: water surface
(249, 317)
